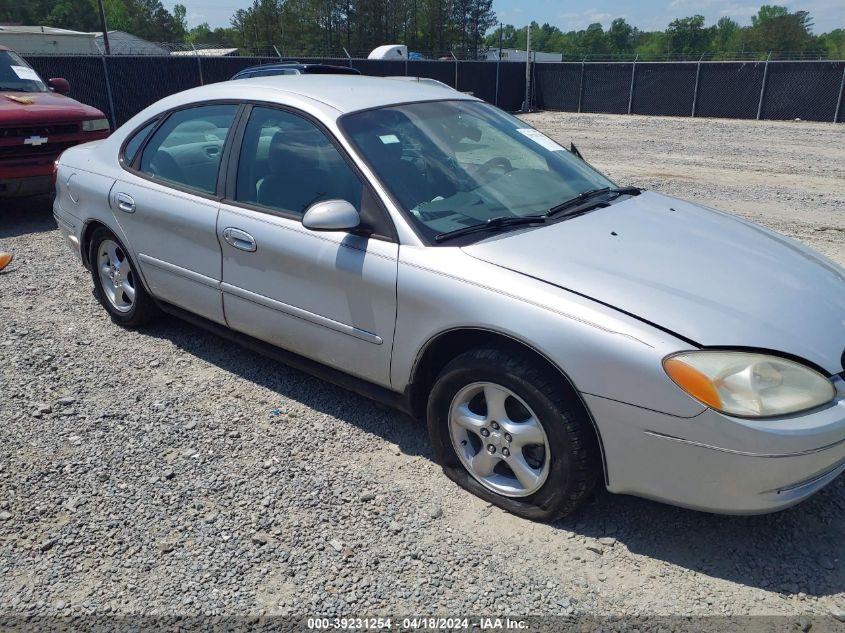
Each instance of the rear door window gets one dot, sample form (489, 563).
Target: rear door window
(186, 149)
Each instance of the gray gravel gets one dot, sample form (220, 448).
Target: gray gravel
(168, 471)
(786, 175)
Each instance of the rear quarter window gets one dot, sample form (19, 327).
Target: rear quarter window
(135, 142)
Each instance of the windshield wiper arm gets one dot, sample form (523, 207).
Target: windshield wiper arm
(586, 196)
(499, 222)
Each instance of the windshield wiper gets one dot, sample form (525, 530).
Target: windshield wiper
(499, 222)
(586, 196)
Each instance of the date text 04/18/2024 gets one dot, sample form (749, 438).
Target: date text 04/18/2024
(415, 624)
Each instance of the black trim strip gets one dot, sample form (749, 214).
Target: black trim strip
(370, 390)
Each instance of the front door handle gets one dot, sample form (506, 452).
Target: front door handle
(240, 239)
(125, 203)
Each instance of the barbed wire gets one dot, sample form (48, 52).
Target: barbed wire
(121, 47)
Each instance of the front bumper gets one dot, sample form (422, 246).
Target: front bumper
(716, 463)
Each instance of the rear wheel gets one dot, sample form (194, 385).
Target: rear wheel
(116, 284)
(509, 430)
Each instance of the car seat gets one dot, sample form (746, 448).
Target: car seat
(296, 178)
(385, 150)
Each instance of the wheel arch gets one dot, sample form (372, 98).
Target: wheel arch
(444, 346)
(88, 230)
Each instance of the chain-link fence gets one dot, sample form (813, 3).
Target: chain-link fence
(122, 85)
(808, 90)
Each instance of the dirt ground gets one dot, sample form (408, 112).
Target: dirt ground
(786, 175)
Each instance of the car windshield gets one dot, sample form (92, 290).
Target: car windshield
(456, 164)
(17, 76)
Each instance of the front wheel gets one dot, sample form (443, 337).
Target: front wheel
(509, 430)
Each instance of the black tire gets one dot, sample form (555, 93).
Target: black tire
(144, 309)
(575, 460)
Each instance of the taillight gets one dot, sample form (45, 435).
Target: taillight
(56, 169)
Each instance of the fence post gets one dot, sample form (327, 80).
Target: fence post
(697, 80)
(498, 66)
(839, 103)
(763, 88)
(279, 55)
(199, 63)
(633, 77)
(528, 69)
(108, 92)
(581, 84)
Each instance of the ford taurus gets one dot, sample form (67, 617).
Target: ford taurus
(556, 331)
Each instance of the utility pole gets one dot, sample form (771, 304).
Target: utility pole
(501, 35)
(105, 28)
(528, 69)
(498, 65)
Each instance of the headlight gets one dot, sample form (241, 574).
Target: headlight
(95, 125)
(748, 384)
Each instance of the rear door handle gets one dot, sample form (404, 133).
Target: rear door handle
(125, 203)
(240, 239)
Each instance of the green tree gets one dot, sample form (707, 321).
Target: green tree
(653, 45)
(594, 42)
(620, 36)
(180, 18)
(774, 28)
(687, 36)
(834, 43)
(727, 36)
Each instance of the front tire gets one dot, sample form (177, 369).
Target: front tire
(117, 285)
(509, 430)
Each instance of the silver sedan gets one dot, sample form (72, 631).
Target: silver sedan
(556, 331)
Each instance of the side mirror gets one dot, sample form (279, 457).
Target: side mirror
(57, 84)
(331, 215)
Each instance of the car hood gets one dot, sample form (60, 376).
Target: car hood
(704, 275)
(44, 107)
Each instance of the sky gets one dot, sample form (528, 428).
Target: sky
(568, 16)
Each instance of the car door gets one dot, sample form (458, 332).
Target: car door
(166, 204)
(329, 296)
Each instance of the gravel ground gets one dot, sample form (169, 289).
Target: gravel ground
(786, 175)
(168, 471)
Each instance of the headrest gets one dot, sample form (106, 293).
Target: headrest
(295, 150)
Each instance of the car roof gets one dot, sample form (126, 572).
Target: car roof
(344, 93)
(306, 68)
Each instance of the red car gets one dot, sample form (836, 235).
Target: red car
(37, 123)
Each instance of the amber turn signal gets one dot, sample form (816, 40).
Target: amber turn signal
(693, 382)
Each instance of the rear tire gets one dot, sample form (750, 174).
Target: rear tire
(117, 285)
(511, 431)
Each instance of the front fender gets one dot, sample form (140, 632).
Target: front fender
(604, 352)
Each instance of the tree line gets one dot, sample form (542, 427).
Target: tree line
(435, 28)
(322, 27)
(147, 19)
(774, 29)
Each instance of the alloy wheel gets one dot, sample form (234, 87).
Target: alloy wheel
(499, 439)
(116, 276)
